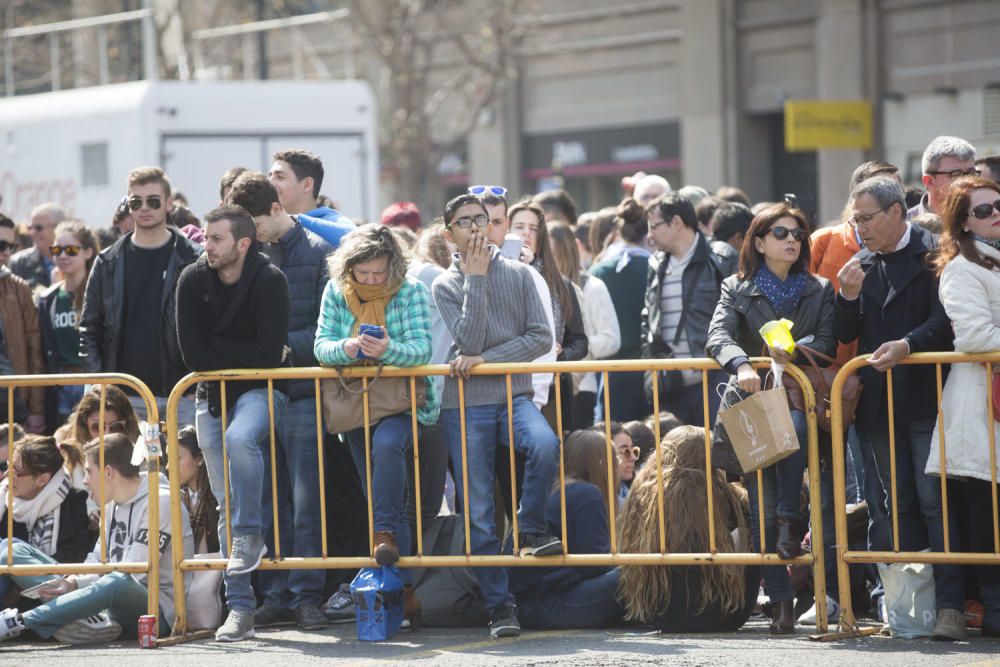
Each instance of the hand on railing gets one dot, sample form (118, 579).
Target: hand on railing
(463, 364)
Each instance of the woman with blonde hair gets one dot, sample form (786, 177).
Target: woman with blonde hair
(556, 598)
(697, 598)
(74, 249)
(369, 287)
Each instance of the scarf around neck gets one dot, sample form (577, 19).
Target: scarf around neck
(784, 296)
(368, 302)
(993, 243)
(40, 515)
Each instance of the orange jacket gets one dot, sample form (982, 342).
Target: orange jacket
(830, 248)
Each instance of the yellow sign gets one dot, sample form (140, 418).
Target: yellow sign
(814, 124)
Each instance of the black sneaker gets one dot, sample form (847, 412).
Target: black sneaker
(309, 617)
(503, 622)
(340, 607)
(539, 544)
(271, 616)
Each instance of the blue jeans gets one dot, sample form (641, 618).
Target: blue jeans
(298, 508)
(485, 426)
(124, 598)
(782, 497)
(391, 439)
(247, 432)
(918, 497)
(591, 603)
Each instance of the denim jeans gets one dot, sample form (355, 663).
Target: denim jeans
(591, 603)
(979, 510)
(298, 508)
(124, 598)
(433, 478)
(391, 439)
(782, 497)
(918, 497)
(485, 426)
(185, 409)
(247, 432)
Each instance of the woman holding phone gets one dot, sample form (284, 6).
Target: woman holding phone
(372, 311)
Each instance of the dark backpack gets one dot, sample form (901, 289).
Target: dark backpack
(449, 596)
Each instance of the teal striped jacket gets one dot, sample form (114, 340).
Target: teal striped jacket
(408, 325)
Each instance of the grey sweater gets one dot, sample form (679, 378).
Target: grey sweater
(498, 316)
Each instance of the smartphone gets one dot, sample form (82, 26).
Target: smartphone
(511, 248)
(373, 330)
(33, 591)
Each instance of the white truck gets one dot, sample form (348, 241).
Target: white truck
(76, 147)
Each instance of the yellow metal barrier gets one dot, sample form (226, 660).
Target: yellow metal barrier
(711, 557)
(151, 568)
(845, 556)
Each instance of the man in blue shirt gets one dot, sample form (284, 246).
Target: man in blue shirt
(297, 175)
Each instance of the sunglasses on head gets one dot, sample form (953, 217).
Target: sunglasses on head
(781, 233)
(480, 190)
(984, 211)
(71, 250)
(7, 245)
(154, 202)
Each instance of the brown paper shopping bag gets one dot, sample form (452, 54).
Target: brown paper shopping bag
(761, 429)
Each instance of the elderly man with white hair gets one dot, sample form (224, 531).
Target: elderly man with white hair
(35, 264)
(944, 160)
(649, 187)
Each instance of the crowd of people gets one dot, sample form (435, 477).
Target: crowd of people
(276, 277)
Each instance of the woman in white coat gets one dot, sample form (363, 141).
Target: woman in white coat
(969, 265)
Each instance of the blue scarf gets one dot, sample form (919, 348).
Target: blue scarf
(784, 296)
(993, 243)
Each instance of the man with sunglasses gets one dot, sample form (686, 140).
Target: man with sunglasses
(21, 350)
(35, 264)
(945, 159)
(888, 301)
(128, 324)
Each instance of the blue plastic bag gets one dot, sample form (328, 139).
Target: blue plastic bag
(378, 603)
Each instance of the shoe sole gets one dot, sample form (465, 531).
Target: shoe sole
(341, 621)
(260, 557)
(101, 636)
(385, 557)
(312, 628)
(249, 634)
(552, 549)
(274, 624)
(500, 633)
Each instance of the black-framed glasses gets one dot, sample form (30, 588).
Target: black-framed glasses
(782, 233)
(7, 245)
(865, 218)
(480, 190)
(153, 201)
(984, 211)
(465, 222)
(955, 173)
(71, 250)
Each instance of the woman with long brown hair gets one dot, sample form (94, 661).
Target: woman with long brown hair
(969, 267)
(709, 598)
(75, 248)
(574, 597)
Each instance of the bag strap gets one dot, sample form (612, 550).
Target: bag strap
(817, 354)
(364, 390)
(810, 355)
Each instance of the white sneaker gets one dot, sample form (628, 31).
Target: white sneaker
(248, 551)
(832, 613)
(10, 624)
(96, 629)
(238, 626)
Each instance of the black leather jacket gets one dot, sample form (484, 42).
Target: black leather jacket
(102, 311)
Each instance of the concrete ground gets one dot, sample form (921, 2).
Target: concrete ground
(469, 647)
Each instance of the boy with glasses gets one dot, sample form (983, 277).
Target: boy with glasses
(128, 324)
(493, 312)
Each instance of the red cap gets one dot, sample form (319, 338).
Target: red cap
(402, 214)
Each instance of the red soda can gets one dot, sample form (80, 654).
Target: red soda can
(148, 631)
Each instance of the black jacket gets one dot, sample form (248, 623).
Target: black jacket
(911, 310)
(700, 289)
(74, 541)
(102, 311)
(246, 331)
(574, 342)
(28, 264)
(743, 310)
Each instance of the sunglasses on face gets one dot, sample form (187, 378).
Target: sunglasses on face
(71, 250)
(984, 211)
(480, 190)
(7, 245)
(781, 233)
(629, 453)
(478, 220)
(135, 203)
(38, 228)
(113, 427)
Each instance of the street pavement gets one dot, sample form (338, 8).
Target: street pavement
(470, 647)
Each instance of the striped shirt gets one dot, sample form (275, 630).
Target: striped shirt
(672, 307)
